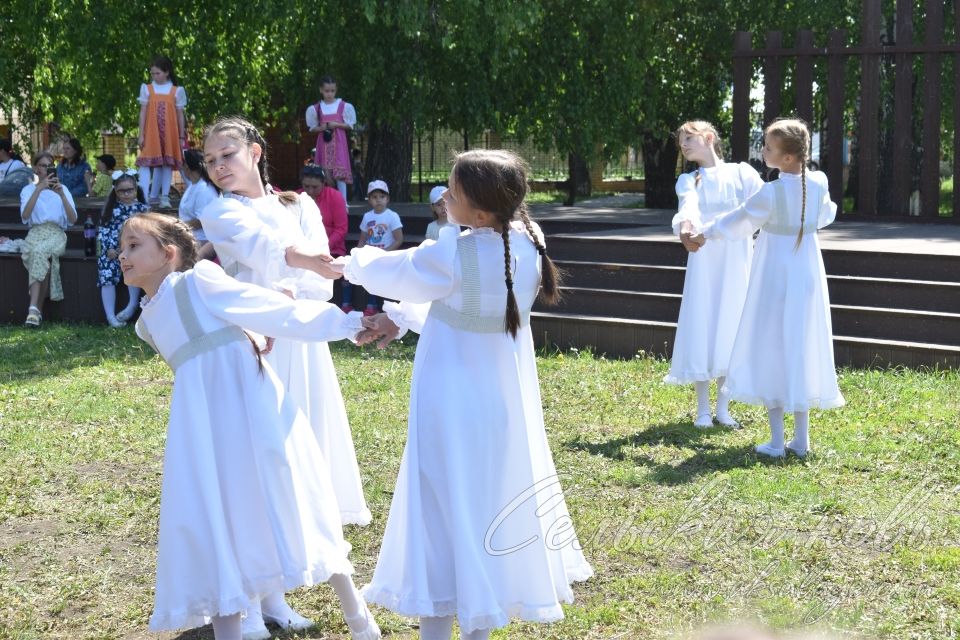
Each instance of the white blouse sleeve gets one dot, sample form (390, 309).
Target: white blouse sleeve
(144, 96)
(349, 115)
(311, 115)
(745, 219)
(827, 208)
(271, 313)
(313, 285)
(408, 316)
(420, 274)
(750, 179)
(237, 233)
(180, 98)
(689, 206)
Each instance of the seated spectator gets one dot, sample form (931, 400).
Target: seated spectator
(74, 171)
(48, 208)
(14, 174)
(320, 186)
(102, 184)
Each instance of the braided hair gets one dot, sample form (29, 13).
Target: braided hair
(794, 137)
(495, 181)
(243, 131)
(697, 128)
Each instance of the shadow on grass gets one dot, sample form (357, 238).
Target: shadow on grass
(55, 349)
(709, 457)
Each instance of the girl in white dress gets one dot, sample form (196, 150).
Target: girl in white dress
(783, 354)
(246, 507)
(278, 241)
(715, 285)
(478, 528)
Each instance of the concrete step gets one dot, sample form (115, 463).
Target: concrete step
(643, 305)
(626, 338)
(620, 249)
(924, 295)
(901, 266)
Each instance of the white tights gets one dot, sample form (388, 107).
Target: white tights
(442, 629)
(227, 627)
(153, 187)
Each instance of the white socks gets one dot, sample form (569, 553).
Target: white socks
(144, 179)
(801, 433)
(342, 188)
(723, 406)
(704, 417)
(442, 629)
(227, 627)
(166, 178)
(350, 601)
(275, 609)
(131, 308)
(436, 628)
(108, 294)
(774, 447)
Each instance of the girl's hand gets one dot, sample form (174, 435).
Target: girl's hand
(698, 240)
(688, 244)
(112, 254)
(378, 326)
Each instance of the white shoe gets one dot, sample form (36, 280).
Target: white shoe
(116, 323)
(253, 628)
(703, 421)
(363, 626)
(288, 620)
(124, 315)
(727, 421)
(165, 202)
(797, 451)
(767, 449)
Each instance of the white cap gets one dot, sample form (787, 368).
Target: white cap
(436, 194)
(377, 185)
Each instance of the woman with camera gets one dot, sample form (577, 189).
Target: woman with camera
(47, 207)
(331, 118)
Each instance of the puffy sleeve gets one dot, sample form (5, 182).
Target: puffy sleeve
(828, 209)
(144, 334)
(144, 96)
(689, 206)
(238, 234)
(420, 274)
(271, 313)
(350, 115)
(408, 316)
(313, 285)
(750, 180)
(745, 219)
(311, 115)
(180, 98)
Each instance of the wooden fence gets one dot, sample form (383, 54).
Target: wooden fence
(874, 49)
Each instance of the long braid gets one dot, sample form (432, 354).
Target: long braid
(511, 320)
(803, 202)
(550, 276)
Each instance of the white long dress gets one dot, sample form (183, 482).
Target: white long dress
(464, 536)
(715, 284)
(250, 238)
(246, 506)
(783, 353)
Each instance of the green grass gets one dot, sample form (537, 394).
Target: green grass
(683, 527)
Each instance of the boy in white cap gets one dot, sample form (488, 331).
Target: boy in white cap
(380, 227)
(439, 210)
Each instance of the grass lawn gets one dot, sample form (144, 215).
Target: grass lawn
(682, 526)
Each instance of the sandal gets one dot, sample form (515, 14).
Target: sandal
(34, 318)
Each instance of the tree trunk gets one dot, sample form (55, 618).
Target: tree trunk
(578, 182)
(659, 171)
(390, 157)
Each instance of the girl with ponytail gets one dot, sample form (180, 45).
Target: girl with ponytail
(783, 354)
(277, 240)
(476, 440)
(247, 504)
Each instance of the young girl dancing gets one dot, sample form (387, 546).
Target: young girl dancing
(272, 240)
(246, 507)
(783, 353)
(478, 528)
(715, 285)
(125, 200)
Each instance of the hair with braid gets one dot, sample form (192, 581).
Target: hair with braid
(495, 181)
(793, 136)
(244, 132)
(698, 128)
(170, 231)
